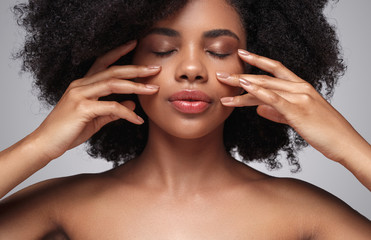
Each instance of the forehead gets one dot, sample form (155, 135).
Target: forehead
(204, 15)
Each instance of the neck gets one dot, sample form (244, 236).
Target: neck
(180, 165)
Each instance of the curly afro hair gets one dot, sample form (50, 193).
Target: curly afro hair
(64, 37)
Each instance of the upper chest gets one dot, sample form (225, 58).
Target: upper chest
(160, 217)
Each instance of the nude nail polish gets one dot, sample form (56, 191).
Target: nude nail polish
(226, 100)
(243, 52)
(153, 67)
(244, 82)
(223, 75)
(151, 86)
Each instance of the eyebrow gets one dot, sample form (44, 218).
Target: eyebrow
(209, 34)
(220, 32)
(164, 31)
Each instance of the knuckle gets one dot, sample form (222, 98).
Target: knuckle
(114, 70)
(307, 87)
(82, 107)
(109, 86)
(274, 98)
(306, 99)
(73, 93)
(75, 83)
(114, 106)
(110, 83)
(277, 64)
(263, 80)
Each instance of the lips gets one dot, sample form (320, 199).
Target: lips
(190, 101)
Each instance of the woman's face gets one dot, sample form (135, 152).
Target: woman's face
(191, 47)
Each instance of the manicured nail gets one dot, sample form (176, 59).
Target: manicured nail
(226, 100)
(140, 120)
(223, 75)
(151, 86)
(131, 42)
(243, 52)
(244, 82)
(153, 67)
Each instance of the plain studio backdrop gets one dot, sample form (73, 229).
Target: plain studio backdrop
(21, 111)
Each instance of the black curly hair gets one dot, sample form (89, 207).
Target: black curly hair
(64, 37)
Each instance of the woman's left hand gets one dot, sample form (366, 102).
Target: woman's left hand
(288, 99)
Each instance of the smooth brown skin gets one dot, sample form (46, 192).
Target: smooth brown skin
(184, 185)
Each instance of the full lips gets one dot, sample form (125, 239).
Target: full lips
(190, 101)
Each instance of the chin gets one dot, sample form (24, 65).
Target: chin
(189, 128)
(168, 120)
(189, 133)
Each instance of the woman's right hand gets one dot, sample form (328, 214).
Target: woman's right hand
(79, 114)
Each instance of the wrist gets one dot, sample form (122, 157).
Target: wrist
(33, 148)
(357, 152)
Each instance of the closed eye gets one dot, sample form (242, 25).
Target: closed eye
(218, 55)
(164, 54)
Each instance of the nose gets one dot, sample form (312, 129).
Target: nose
(191, 66)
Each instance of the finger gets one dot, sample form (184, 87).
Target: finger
(128, 104)
(122, 72)
(103, 120)
(265, 81)
(111, 57)
(113, 86)
(272, 66)
(270, 113)
(261, 80)
(268, 97)
(245, 100)
(278, 84)
(229, 79)
(113, 110)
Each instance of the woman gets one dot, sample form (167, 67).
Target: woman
(190, 71)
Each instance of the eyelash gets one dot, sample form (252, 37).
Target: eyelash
(218, 55)
(214, 54)
(164, 54)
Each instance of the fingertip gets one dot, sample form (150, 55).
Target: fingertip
(222, 75)
(245, 54)
(154, 68)
(139, 120)
(132, 42)
(129, 46)
(227, 100)
(152, 87)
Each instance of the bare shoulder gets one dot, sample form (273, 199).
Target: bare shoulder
(37, 209)
(329, 216)
(52, 190)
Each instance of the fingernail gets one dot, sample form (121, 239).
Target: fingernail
(244, 82)
(243, 52)
(140, 120)
(227, 99)
(151, 86)
(153, 67)
(223, 75)
(131, 42)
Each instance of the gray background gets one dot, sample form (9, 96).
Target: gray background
(21, 112)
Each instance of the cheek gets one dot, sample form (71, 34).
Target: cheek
(233, 66)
